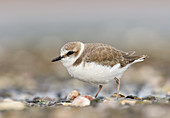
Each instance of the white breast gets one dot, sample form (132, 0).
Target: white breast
(95, 73)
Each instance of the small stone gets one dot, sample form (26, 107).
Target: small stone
(51, 103)
(120, 95)
(63, 100)
(89, 97)
(81, 101)
(108, 99)
(147, 101)
(152, 98)
(64, 104)
(133, 97)
(35, 100)
(73, 95)
(95, 102)
(163, 101)
(31, 104)
(136, 98)
(128, 102)
(9, 104)
(47, 99)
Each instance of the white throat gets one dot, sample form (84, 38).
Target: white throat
(68, 61)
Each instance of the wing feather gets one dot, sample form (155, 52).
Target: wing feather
(104, 55)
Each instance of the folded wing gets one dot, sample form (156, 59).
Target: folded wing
(104, 55)
(109, 56)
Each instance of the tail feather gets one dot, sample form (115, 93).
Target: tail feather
(130, 58)
(141, 58)
(134, 59)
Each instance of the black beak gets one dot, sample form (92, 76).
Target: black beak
(57, 59)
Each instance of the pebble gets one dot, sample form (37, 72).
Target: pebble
(120, 95)
(128, 102)
(74, 98)
(81, 101)
(9, 104)
(133, 97)
(89, 97)
(64, 104)
(73, 95)
(152, 98)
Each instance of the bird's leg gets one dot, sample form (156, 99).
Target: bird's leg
(118, 86)
(100, 87)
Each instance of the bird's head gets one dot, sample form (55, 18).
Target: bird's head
(69, 53)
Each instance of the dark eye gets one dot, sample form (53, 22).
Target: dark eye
(70, 53)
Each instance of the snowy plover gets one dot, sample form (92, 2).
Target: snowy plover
(96, 63)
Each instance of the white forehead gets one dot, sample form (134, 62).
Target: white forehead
(63, 51)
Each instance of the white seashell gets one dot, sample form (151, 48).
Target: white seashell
(73, 95)
(81, 101)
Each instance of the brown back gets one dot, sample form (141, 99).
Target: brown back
(105, 55)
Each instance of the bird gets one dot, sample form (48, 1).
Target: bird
(96, 63)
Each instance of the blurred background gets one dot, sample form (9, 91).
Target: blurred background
(33, 31)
